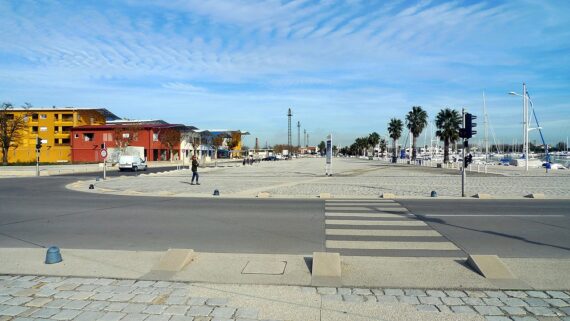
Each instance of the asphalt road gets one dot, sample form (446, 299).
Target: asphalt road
(508, 228)
(41, 212)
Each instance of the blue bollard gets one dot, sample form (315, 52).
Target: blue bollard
(216, 192)
(53, 255)
(433, 194)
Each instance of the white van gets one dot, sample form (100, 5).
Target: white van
(133, 163)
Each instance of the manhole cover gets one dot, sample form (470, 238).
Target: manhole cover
(264, 267)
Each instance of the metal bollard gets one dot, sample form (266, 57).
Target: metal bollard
(53, 255)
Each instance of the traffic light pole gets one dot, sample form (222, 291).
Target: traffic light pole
(37, 162)
(463, 167)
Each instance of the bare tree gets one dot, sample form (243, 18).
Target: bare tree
(123, 136)
(169, 137)
(11, 128)
(217, 142)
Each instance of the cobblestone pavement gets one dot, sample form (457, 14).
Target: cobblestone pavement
(493, 305)
(24, 298)
(57, 298)
(352, 178)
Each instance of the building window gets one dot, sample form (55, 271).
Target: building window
(34, 129)
(43, 129)
(67, 117)
(56, 117)
(10, 116)
(155, 137)
(88, 137)
(66, 129)
(34, 117)
(107, 137)
(65, 141)
(126, 135)
(43, 116)
(76, 136)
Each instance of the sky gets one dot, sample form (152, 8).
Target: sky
(343, 67)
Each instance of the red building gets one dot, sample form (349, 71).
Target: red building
(86, 141)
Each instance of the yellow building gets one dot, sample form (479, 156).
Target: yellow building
(53, 126)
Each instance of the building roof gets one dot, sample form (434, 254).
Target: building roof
(109, 116)
(222, 131)
(122, 125)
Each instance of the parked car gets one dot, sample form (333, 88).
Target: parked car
(133, 163)
(270, 158)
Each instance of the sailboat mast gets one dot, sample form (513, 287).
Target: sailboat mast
(486, 125)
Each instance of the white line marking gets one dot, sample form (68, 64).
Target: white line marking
(492, 215)
(372, 208)
(385, 223)
(366, 245)
(347, 232)
(352, 214)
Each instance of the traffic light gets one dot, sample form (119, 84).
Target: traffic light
(462, 133)
(38, 143)
(469, 125)
(468, 160)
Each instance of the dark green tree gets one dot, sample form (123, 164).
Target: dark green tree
(448, 121)
(395, 127)
(416, 121)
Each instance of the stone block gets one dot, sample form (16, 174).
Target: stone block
(483, 196)
(388, 195)
(490, 267)
(325, 195)
(263, 195)
(174, 260)
(326, 270)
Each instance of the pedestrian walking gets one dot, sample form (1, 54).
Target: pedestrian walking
(195, 175)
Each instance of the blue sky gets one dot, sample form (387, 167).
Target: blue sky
(344, 67)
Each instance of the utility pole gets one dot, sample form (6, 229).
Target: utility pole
(463, 167)
(289, 114)
(298, 134)
(305, 138)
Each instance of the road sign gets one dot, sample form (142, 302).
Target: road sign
(328, 165)
(104, 153)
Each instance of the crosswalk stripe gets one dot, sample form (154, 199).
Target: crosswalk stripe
(349, 232)
(363, 203)
(360, 202)
(363, 222)
(352, 214)
(371, 245)
(363, 208)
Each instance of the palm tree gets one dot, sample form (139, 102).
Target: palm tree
(382, 147)
(395, 127)
(361, 144)
(373, 140)
(416, 121)
(447, 122)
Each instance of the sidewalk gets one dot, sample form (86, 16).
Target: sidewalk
(353, 178)
(122, 285)
(50, 170)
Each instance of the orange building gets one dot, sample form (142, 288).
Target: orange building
(53, 126)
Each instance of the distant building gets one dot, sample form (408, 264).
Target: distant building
(125, 137)
(309, 150)
(54, 127)
(231, 142)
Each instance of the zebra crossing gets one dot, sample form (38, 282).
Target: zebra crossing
(381, 228)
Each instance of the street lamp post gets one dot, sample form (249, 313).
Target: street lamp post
(525, 123)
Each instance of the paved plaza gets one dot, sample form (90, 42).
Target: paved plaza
(352, 178)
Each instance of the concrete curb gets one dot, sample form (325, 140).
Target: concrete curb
(228, 268)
